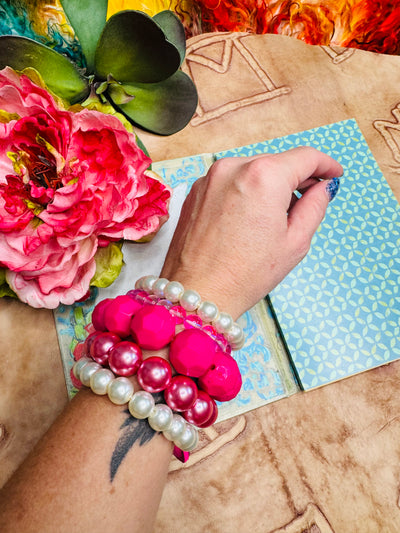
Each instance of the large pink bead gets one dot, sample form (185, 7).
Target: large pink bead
(192, 352)
(181, 393)
(101, 345)
(118, 314)
(154, 374)
(125, 358)
(223, 380)
(98, 315)
(202, 411)
(153, 327)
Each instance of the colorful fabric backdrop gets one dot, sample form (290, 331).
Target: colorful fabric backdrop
(366, 24)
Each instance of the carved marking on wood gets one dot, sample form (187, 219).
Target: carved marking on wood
(211, 441)
(311, 521)
(230, 44)
(337, 54)
(390, 132)
(4, 435)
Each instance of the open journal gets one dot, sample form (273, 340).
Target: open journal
(336, 314)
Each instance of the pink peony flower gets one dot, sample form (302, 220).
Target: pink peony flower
(69, 183)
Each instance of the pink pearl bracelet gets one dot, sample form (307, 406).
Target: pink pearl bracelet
(173, 292)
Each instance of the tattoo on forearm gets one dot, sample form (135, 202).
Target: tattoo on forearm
(133, 430)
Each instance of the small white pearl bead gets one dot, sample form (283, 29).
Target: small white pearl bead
(234, 334)
(207, 311)
(238, 345)
(148, 282)
(138, 283)
(223, 322)
(190, 300)
(87, 371)
(76, 369)
(193, 445)
(188, 439)
(159, 286)
(173, 291)
(176, 428)
(160, 417)
(120, 390)
(141, 404)
(100, 380)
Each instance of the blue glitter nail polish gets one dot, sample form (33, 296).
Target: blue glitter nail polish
(332, 188)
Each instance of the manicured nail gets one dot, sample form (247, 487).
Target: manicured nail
(332, 188)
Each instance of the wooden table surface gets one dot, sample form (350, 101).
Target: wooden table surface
(325, 461)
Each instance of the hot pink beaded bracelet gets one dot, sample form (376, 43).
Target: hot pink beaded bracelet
(193, 352)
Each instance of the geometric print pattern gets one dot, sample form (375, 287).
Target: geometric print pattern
(339, 309)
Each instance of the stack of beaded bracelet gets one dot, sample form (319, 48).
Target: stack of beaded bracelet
(141, 404)
(199, 353)
(170, 293)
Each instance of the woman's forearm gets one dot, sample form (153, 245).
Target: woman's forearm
(97, 469)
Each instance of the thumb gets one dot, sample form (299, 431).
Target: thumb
(308, 212)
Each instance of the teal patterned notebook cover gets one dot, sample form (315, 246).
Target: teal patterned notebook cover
(339, 309)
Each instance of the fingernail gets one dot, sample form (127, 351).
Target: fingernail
(332, 188)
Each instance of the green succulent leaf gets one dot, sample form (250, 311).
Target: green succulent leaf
(163, 108)
(173, 29)
(58, 72)
(134, 49)
(88, 19)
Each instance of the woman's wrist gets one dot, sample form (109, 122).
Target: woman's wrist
(227, 297)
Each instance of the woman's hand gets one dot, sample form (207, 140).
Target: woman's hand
(242, 229)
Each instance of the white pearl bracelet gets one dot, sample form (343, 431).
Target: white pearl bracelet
(191, 301)
(141, 404)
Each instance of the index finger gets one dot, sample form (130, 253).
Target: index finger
(304, 162)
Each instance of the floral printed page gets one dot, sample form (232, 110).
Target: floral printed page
(339, 309)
